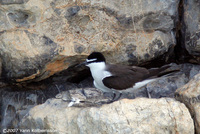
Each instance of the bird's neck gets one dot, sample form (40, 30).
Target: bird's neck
(98, 72)
(97, 66)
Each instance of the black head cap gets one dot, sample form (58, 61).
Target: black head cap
(98, 56)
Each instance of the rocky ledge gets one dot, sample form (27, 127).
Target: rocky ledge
(141, 115)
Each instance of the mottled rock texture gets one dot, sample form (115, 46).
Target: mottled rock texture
(152, 116)
(43, 37)
(191, 26)
(8, 2)
(190, 95)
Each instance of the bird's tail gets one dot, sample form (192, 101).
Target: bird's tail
(163, 71)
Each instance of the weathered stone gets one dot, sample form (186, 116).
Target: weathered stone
(166, 87)
(8, 2)
(41, 38)
(0, 67)
(24, 48)
(190, 95)
(19, 18)
(125, 116)
(191, 27)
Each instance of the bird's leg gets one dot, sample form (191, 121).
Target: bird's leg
(149, 95)
(116, 97)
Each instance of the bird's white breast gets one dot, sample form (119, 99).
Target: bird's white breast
(99, 73)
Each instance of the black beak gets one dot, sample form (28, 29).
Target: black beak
(81, 64)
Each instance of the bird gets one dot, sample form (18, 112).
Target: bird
(118, 78)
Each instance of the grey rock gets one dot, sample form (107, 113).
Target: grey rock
(15, 105)
(8, 2)
(190, 29)
(0, 67)
(189, 94)
(166, 87)
(140, 115)
(19, 17)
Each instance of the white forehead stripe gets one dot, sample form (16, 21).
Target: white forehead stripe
(91, 60)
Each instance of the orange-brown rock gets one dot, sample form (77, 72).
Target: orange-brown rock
(34, 35)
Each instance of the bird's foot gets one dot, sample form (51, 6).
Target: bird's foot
(116, 97)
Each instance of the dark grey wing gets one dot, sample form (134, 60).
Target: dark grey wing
(118, 82)
(124, 76)
(123, 81)
(121, 70)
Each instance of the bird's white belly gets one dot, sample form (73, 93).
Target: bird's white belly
(101, 87)
(139, 85)
(98, 77)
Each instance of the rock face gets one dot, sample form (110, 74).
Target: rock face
(190, 95)
(191, 28)
(153, 116)
(41, 38)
